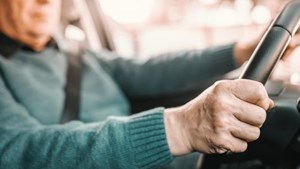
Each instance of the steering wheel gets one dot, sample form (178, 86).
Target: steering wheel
(279, 141)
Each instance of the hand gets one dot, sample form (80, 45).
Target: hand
(244, 48)
(225, 117)
(295, 42)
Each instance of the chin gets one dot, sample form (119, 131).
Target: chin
(40, 38)
(41, 28)
(41, 32)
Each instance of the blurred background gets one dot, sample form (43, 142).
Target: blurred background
(146, 28)
(142, 28)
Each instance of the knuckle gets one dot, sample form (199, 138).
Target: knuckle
(257, 84)
(223, 142)
(220, 105)
(254, 134)
(220, 85)
(220, 123)
(263, 103)
(216, 103)
(241, 147)
(261, 91)
(261, 94)
(261, 117)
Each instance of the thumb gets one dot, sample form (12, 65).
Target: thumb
(271, 104)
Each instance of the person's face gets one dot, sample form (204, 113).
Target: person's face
(31, 17)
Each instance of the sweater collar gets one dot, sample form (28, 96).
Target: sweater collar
(9, 46)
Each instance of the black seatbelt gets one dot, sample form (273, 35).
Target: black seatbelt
(71, 109)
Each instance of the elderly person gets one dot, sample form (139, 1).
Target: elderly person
(106, 135)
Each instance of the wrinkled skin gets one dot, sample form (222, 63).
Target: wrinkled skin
(223, 118)
(31, 22)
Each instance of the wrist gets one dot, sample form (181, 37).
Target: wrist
(175, 132)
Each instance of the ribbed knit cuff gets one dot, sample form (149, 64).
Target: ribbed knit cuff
(148, 139)
(224, 57)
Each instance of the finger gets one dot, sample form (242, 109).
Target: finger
(271, 105)
(295, 41)
(220, 150)
(252, 92)
(231, 144)
(245, 131)
(249, 113)
(238, 145)
(263, 102)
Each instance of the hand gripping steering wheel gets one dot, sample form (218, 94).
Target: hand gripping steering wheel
(280, 137)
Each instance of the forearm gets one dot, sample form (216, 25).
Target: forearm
(170, 72)
(128, 142)
(120, 142)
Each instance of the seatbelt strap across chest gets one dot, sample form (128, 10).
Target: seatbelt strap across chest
(71, 110)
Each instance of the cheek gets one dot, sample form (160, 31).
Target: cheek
(26, 20)
(56, 13)
(21, 15)
(34, 24)
(54, 17)
(12, 13)
(27, 23)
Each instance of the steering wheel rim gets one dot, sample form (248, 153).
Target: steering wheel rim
(273, 44)
(260, 66)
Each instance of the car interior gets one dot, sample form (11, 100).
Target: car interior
(279, 143)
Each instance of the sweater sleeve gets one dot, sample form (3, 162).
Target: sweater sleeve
(119, 142)
(169, 72)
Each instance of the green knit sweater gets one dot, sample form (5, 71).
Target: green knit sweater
(32, 98)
